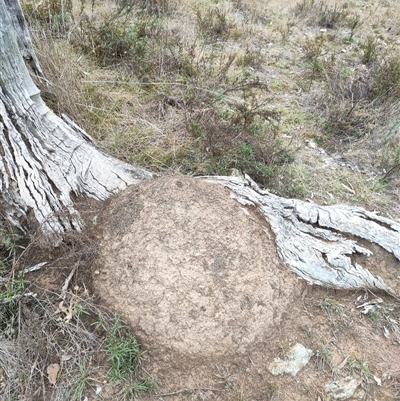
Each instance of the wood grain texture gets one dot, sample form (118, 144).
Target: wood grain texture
(44, 159)
(311, 238)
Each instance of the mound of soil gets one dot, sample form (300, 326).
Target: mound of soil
(196, 273)
(198, 277)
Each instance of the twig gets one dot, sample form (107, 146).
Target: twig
(189, 390)
(34, 268)
(66, 282)
(390, 171)
(18, 296)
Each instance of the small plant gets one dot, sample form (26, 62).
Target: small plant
(324, 357)
(370, 50)
(270, 392)
(114, 39)
(12, 287)
(251, 58)
(9, 243)
(385, 79)
(314, 49)
(131, 390)
(390, 150)
(79, 309)
(330, 304)
(360, 367)
(345, 100)
(214, 24)
(335, 311)
(10, 291)
(319, 13)
(284, 348)
(122, 349)
(155, 7)
(53, 13)
(226, 377)
(82, 381)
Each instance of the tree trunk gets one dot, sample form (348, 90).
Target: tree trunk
(44, 159)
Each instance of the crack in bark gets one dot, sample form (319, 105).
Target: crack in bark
(309, 239)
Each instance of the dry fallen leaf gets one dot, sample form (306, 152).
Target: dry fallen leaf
(52, 371)
(67, 311)
(65, 357)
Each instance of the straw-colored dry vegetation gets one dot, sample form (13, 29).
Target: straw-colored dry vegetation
(263, 87)
(302, 95)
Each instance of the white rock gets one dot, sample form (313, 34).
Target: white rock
(342, 389)
(297, 357)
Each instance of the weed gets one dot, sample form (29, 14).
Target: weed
(324, 357)
(228, 121)
(43, 337)
(115, 39)
(390, 150)
(10, 292)
(11, 286)
(345, 99)
(213, 24)
(53, 13)
(122, 349)
(155, 7)
(131, 390)
(385, 79)
(370, 50)
(320, 13)
(82, 380)
(250, 58)
(79, 309)
(360, 367)
(314, 49)
(284, 30)
(336, 312)
(9, 244)
(270, 391)
(375, 314)
(284, 349)
(228, 380)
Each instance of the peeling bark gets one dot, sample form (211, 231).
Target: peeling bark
(44, 158)
(309, 237)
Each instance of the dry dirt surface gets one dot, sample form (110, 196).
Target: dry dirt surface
(198, 277)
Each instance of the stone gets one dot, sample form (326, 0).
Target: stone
(297, 358)
(342, 389)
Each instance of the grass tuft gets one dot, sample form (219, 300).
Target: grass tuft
(122, 349)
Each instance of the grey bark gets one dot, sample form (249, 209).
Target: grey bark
(309, 237)
(44, 159)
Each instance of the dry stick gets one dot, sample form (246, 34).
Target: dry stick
(17, 297)
(391, 170)
(189, 390)
(67, 280)
(34, 268)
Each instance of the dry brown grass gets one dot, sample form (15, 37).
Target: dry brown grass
(158, 108)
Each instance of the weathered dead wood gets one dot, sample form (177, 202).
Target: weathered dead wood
(309, 237)
(44, 158)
